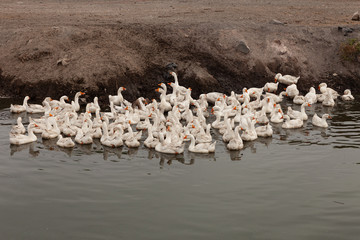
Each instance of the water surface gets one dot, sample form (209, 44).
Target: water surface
(299, 184)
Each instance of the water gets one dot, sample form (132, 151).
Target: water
(300, 184)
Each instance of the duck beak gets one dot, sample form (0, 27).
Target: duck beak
(329, 117)
(82, 93)
(275, 80)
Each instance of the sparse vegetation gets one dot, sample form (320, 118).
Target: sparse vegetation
(350, 50)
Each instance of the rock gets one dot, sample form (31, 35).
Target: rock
(243, 47)
(63, 61)
(356, 16)
(276, 22)
(345, 30)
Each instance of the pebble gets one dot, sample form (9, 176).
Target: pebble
(243, 47)
(356, 16)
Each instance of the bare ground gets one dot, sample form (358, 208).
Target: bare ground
(57, 47)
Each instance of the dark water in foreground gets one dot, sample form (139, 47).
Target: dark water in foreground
(301, 184)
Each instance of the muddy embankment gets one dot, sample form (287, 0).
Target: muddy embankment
(61, 60)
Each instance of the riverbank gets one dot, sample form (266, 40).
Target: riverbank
(54, 48)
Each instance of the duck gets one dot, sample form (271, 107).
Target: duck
(347, 95)
(320, 122)
(75, 104)
(168, 148)
(132, 138)
(111, 141)
(20, 139)
(66, 142)
(292, 91)
(292, 123)
(200, 147)
(264, 131)
(18, 128)
(268, 104)
(324, 89)
(34, 108)
(91, 107)
(83, 137)
(276, 98)
(68, 129)
(329, 99)
(117, 99)
(277, 117)
(299, 99)
(51, 130)
(250, 133)
(286, 79)
(271, 87)
(311, 97)
(236, 143)
(298, 114)
(255, 92)
(150, 141)
(204, 136)
(228, 132)
(164, 105)
(15, 108)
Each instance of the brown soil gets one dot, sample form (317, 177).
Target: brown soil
(57, 47)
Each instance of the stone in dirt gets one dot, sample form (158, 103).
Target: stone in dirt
(243, 47)
(276, 22)
(356, 16)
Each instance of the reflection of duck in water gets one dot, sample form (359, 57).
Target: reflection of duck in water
(19, 148)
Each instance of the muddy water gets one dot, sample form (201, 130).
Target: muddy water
(300, 184)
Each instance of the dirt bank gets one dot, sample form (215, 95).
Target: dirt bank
(57, 47)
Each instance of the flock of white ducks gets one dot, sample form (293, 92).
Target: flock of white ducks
(176, 118)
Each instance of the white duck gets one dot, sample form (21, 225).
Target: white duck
(131, 139)
(293, 123)
(299, 99)
(277, 116)
(324, 89)
(168, 148)
(117, 99)
(19, 108)
(83, 138)
(264, 131)
(347, 95)
(329, 99)
(320, 122)
(250, 133)
(311, 97)
(65, 142)
(200, 147)
(150, 141)
(286, 79)
(236, 143)
(19, 139)
(19, 128)
(34, 108)
(75, 104)
(271, 87)
(51, 130)
(298, 114)
(292, 91)
(91, 107)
